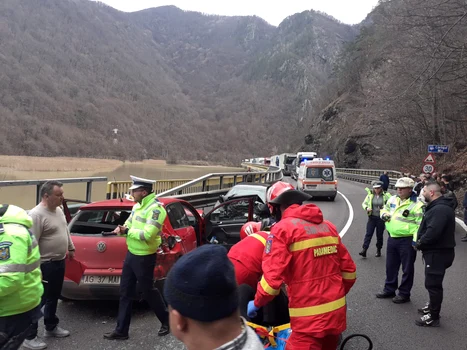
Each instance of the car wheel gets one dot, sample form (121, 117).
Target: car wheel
(332, 198)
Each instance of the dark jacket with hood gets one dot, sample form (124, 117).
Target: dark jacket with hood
(438, 226)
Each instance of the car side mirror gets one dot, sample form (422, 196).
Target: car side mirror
(221, 198)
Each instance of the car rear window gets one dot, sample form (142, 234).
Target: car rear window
(247, 191)
(97, 221)
(320, 173)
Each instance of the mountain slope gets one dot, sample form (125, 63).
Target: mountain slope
(176, 84)
(400, 86)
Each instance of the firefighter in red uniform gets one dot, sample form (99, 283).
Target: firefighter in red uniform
(247, 255)
(247, 258)
(305, 252)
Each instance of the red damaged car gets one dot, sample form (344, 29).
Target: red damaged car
(184, 229)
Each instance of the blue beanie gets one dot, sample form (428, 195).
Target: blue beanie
(202, 286)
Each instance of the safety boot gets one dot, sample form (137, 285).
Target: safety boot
(378, 253)
(363, 253)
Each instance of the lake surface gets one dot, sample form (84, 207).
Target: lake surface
(25, 196)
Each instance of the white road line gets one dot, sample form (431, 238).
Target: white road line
(461, 224)
(349, 221)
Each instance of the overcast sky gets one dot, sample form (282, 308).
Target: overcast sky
(347, 11)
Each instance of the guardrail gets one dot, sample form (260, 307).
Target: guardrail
(39, 183)
(368, 175)
(202, 191)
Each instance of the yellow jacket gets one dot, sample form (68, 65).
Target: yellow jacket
(405, 216)
(20, 273)
(145, 226)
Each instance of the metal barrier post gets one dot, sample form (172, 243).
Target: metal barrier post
(88, 191)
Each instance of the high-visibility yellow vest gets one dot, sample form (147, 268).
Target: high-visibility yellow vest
(145, 226)
(400, 225)
(368, 202)
(20, 273)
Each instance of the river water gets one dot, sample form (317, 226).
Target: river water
(25, 196)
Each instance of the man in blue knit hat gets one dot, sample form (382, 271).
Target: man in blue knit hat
(201, 292)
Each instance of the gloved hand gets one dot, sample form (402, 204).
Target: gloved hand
(252, 310)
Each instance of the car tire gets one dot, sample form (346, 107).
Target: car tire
(332, 198)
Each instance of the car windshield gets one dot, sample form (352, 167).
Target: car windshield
(320, 173)
(289, 160)
(98, 221)
(240, 191)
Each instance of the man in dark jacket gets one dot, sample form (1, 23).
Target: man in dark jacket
(436, 241)
(448, 195)
(384, 178)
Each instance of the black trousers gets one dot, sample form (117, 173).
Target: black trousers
(53, 273)
(374, 222)
(436, 263)
(275, 313)
(15, 328)
(139, 269)
(400, 252)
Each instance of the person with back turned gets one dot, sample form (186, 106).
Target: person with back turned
(143, 235)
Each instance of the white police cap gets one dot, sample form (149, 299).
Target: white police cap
(140, 182)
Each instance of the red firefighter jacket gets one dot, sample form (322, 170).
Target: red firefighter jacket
(249, 253)
(305, 252)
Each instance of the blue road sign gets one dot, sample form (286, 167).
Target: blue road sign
(438, 149)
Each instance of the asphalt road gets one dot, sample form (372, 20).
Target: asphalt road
(390, 326)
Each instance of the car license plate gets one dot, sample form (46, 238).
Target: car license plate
(91, 279)
(311, 187)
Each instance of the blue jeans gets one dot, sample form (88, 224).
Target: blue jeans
(53, 272)
(374, 222)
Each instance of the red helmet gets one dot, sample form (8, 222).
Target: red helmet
(277, 189)
(249, 228)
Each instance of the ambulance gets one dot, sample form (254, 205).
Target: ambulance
(318, 178)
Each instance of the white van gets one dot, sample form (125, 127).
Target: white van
(303, 157)
(318, 178)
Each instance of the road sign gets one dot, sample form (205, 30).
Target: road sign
(428, 168)
(429, 159)
(438, 149)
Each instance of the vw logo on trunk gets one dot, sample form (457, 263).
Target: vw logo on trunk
(101, 247)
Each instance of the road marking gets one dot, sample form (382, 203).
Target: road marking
(349, 221)
(461, 224)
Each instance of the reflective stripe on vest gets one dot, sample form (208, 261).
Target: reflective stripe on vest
(20, 267)
(313, 242)
(318, 309)
(259, 238)
(349, 275)
(267, 288)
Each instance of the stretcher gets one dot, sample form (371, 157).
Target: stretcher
(275, 338)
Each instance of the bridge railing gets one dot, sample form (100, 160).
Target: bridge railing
(39, 183)
(201, 191)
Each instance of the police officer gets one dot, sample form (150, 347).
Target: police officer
(20, 277)
(436, 241)
(372, 204)
(402, 214)
(143, 231)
